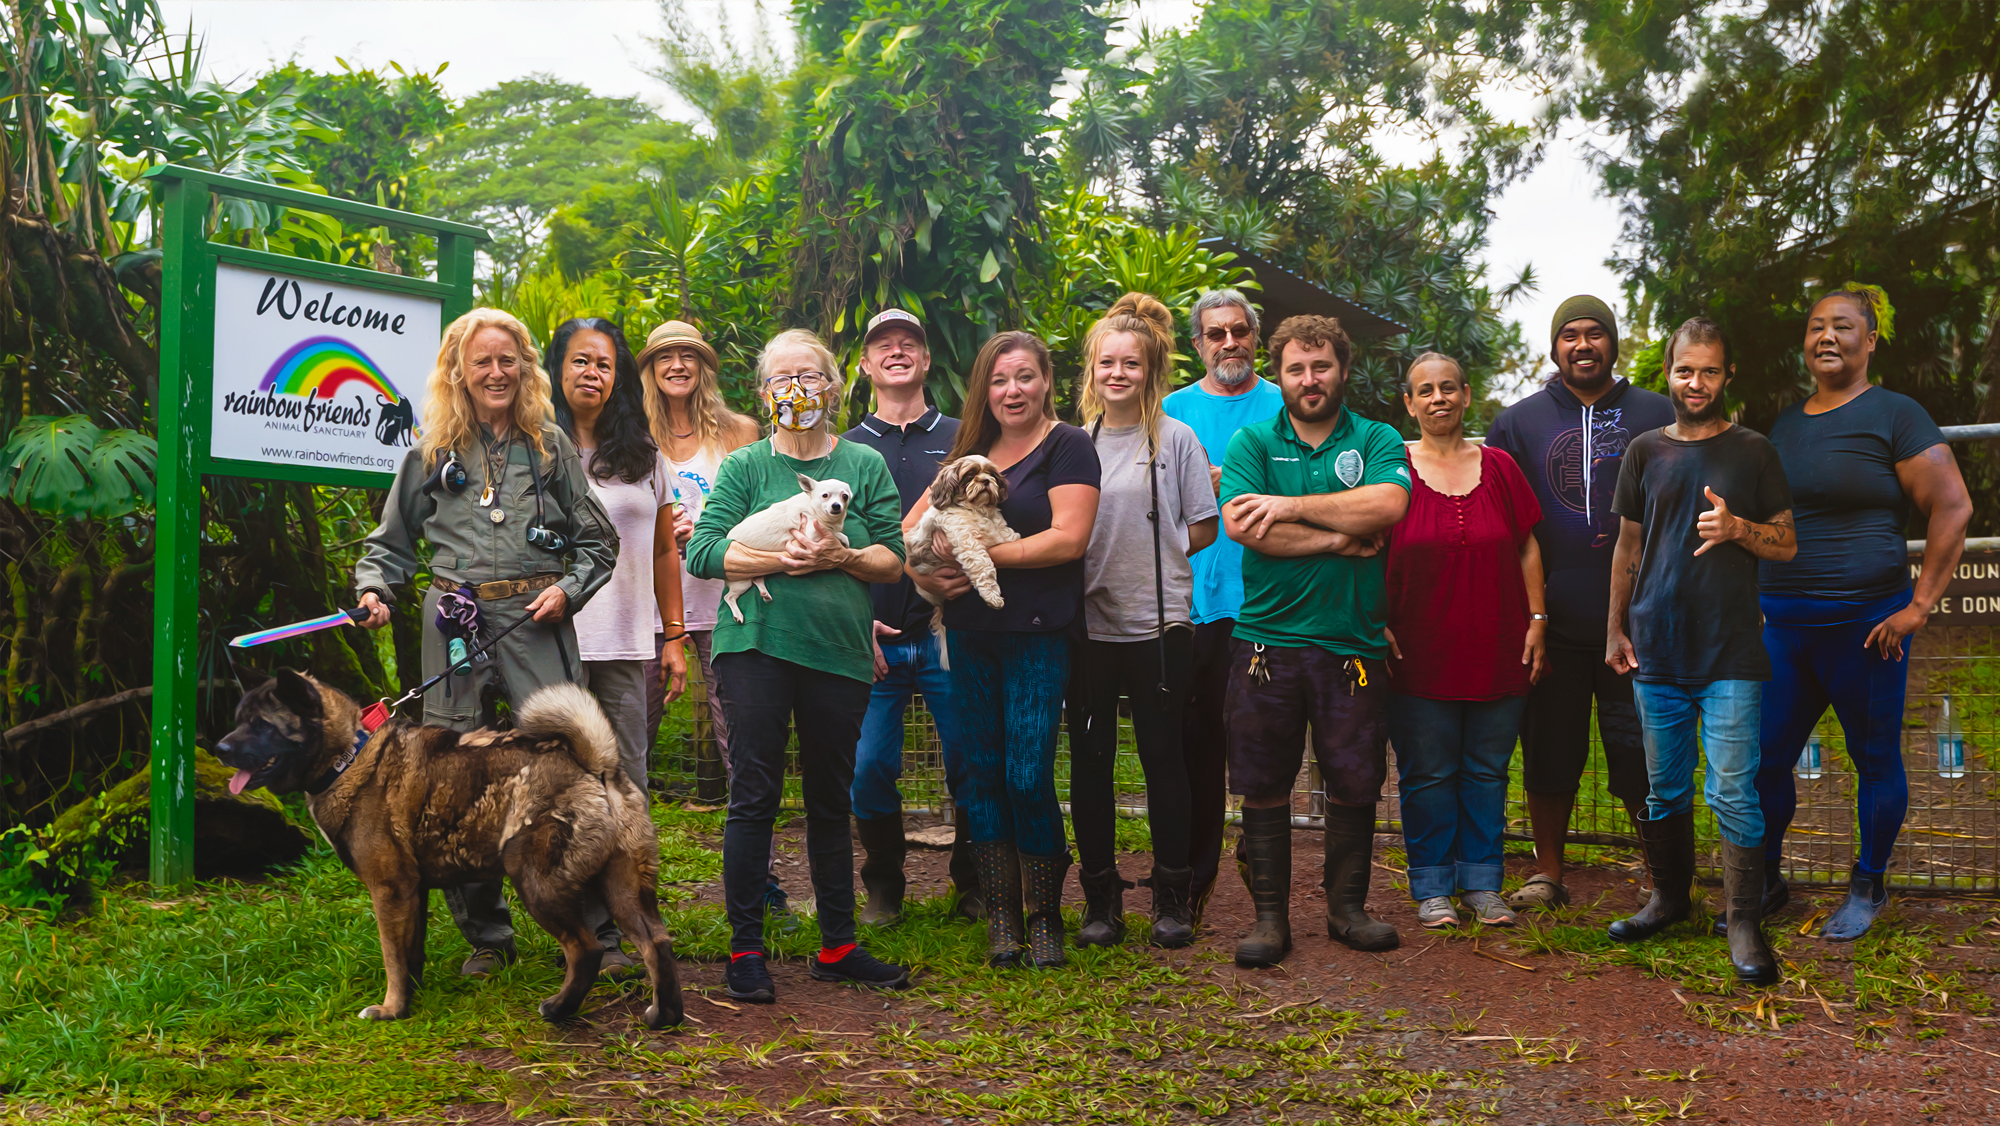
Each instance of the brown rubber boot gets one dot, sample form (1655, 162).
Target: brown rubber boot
(1350, 854)
(1743, 892)
(1264, 856)
(1669, 845)
(882, 868)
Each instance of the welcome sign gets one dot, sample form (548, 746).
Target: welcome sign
(315, 373)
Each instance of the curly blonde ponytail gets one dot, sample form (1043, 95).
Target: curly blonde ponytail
(1152, 325)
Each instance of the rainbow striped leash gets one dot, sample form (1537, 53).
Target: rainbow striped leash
(278, 633)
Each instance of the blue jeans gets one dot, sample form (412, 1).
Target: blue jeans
(878, 759)
(1727, 714)
(1008, 690)
(1451, 761)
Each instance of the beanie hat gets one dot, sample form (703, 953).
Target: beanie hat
(1584, 307)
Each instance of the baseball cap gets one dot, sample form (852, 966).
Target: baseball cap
(888, 317)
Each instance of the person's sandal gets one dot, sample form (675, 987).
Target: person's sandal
(1437, 911)
(1540, 893)
(1488, 909)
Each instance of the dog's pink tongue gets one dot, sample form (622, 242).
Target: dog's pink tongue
(239, 780)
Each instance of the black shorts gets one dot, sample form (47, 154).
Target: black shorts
(1555, 728)
(1308, 688)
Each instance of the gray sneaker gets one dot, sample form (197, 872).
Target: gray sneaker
(1437, 911)
(1489, 909)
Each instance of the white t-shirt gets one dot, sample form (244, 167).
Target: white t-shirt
(1120, 601)
(619, 621)
(700, 598)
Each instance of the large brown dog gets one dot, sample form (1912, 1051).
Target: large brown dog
(412, 808)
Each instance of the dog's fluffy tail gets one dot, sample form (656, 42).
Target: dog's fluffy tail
(573, 713)
(937, 631)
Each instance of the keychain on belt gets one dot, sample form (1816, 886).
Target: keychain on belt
(1357, 673)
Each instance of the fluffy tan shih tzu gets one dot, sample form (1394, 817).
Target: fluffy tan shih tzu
(965, 510)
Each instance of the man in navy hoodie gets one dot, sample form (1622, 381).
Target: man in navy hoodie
(1570, 439)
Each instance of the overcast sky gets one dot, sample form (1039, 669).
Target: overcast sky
(1555, 219)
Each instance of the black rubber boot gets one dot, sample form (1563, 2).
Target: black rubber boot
(1669, 845)
(1866, 897)
(1041, 892)
(1173, 918)
(1264, 857)
(1103, 908)
(1743, 893)
(1776, 894)
(971, 904)
(882, 869)
(1000, 876)
(1350, 855)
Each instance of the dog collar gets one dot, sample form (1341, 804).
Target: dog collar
(333, 773)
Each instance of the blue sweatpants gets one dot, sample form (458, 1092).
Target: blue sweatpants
(1817, 659)
(1008, 691)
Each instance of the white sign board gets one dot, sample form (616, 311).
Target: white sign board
(318, 374)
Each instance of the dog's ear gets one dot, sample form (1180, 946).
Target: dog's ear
(807, 485)
(944, 487)
(298, 694)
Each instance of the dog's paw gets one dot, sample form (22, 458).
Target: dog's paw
(552, 1010)
(658, 1016)
(377, 1012)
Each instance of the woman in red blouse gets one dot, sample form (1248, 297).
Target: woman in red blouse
(1465, 638)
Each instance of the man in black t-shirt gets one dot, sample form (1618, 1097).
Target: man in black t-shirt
(1700, 502)
(913, 437)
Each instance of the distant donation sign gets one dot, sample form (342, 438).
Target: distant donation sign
(318, 374)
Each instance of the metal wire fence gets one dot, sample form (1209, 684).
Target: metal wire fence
(1951, 733)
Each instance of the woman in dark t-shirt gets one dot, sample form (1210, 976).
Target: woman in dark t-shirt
(1009, 664)
(1838, 617)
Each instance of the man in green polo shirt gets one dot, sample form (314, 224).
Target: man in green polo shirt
(1309, 494)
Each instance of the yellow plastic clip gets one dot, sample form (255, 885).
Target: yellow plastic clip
(1361, 671)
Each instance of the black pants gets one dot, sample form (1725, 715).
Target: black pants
(1130, 669)
(1205, 747)
(768, 699)
(1555, 729)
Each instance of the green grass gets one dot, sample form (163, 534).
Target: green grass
(238, 1002)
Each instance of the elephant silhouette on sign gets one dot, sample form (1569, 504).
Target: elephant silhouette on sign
(396, 421)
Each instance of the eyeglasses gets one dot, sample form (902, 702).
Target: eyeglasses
(1218, 334)
(806, 380)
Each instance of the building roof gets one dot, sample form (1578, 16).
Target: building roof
(1286, 294)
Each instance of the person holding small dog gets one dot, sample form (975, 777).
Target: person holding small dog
(796, 652)
(1309, 495)
(498, 491)
(1157, 507)
(913, 437)
(1467, 639)
(1009, 663)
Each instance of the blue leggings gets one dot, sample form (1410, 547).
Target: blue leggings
(1817, 658)
(1008, 690)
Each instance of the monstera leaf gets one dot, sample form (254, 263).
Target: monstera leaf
(68, 467)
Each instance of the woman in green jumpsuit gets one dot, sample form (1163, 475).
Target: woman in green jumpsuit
(499, 494)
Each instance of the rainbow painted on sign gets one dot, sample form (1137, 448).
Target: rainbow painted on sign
(320, 366)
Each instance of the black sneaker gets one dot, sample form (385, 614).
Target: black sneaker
(862, 968)
(748, 979)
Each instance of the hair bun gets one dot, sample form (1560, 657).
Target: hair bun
(1145, 307)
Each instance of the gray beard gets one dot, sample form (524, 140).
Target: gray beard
(1243, 370)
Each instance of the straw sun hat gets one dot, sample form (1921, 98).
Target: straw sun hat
(672, 334)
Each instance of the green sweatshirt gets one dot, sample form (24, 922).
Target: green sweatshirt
(823, 620)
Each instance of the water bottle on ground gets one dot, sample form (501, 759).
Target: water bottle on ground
(1809, 758)
(1950, 741)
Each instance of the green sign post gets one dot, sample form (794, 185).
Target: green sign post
(279, 368)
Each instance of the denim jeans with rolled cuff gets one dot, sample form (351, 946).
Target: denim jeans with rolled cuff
(1725, 715)
(1451, 762)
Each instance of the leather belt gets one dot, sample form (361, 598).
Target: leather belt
(499, 588)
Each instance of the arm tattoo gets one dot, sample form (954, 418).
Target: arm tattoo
(1631, 570)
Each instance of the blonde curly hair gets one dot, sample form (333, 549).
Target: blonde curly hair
(449, 422)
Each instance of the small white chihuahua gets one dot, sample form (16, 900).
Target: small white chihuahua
(767, 530)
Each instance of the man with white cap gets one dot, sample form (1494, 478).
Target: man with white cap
(913, 437)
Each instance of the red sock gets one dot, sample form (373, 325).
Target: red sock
(747, 954)
(828, 957)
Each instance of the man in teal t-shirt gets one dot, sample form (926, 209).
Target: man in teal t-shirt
(1309, 495)
(1228, 398)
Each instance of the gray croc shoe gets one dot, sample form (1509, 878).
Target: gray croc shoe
(1540, 893)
